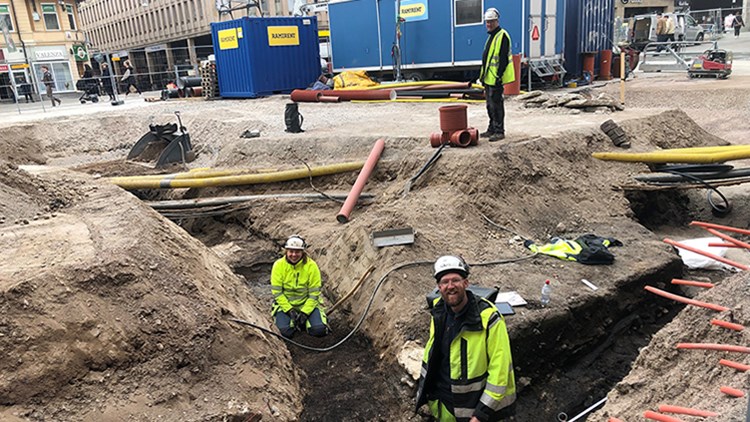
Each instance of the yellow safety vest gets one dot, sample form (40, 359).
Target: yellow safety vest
(295, 286)
(489, 72)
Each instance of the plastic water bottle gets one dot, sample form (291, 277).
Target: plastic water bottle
(546, 290)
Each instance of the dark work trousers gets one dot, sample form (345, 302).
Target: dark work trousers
(284, 323)
(495, 109)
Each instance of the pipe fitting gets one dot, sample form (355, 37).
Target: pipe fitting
(453, 118)
(474, 133)
(461, 138)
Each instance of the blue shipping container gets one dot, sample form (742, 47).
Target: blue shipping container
(591, 24)
(264, 56)
(439, 34)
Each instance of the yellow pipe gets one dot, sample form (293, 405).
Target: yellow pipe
(130, 183)
(401, 85)
(669, 157)
(201, 174)
(703, 150)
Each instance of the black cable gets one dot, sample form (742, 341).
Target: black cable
(685, 170)
(369, 304)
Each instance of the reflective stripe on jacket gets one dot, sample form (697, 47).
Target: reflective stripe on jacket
(481, 367)
(489, 72)
(295, 286)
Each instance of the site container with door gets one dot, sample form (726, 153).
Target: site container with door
(264, 56)
(439, 35)
(590, 26)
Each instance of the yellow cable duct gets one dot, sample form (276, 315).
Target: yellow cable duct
(674, 157)
(202, 173)
(703, 150)
(130, 183)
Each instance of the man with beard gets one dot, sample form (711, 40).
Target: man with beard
(467, 370)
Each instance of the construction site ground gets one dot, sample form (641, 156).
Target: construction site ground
(112, 312)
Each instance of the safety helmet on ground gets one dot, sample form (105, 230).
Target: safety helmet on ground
(295, 241)
(491, 14)
(450, 264)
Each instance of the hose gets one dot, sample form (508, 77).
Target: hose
(369, 304)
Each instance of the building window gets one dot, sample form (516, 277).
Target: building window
(50, 17)
(5, 16)
(468, 12)
(277, 8)
(60, 72)
(71, 17)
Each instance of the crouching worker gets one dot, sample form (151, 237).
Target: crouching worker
(295, 284)
(467, 370)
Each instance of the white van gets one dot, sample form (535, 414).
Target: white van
(643, 29)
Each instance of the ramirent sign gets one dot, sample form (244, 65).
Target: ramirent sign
(283, 35)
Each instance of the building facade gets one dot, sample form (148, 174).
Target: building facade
(163, 39)
(36, 33)
(630, 8)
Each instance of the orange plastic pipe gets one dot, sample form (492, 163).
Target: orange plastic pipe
(659, 417)
(735, 365)
(728, 238)
(686, 300)
(713, 346)
(614, 420)
(359, 184)
(729, 325)
(732, 391)
(719, 226)
(665, 408)
(692, 283)
(706, 254)
(723, 245)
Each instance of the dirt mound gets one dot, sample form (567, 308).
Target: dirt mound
(665, 375)
(109, 312)
(21, 145)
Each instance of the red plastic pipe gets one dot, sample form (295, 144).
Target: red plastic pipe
(706, 254)
(605, 65)
(728, 238)
(686, 300)
(614, 420)
(453, 118)
(474, 132)
(735, 365)
(723, 245)
(719, 227)
(728, 325)
(355, 94)
(732, 391)
(713, 346)
(665, 408)
(359, 184)
(461, 138)
(514, 88)
(692, 283)
(305, 96)
(328, 99)
(659, 417)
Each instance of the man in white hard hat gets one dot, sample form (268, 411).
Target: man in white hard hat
(295, 285)
(467, 370)
(497, 70)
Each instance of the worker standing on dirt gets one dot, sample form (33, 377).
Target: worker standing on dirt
(661, 31)
(467, 370)
(295, 285)
(497, 70)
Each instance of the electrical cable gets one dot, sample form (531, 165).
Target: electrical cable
(369, 304)
(686, 170)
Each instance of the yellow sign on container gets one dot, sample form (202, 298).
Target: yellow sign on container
(283, 35)
(228, 39)
(414, 10)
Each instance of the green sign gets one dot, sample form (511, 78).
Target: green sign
(80, 53)
(4, 8)
(48, 8)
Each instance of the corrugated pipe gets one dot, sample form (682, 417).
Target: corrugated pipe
(712, 155)
(359, 184)
(130, 183)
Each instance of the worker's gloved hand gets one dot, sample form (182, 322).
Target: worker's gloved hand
(293, 315)
(301, 320)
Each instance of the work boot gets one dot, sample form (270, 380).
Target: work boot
(497, 137)
(486, 134)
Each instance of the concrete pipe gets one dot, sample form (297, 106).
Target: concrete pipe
(453, 118)
(461, 138)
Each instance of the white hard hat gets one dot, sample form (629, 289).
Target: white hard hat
(295, 241)
(491, 14)
(450, 264)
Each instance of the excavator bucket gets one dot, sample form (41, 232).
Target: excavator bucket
(164, 145)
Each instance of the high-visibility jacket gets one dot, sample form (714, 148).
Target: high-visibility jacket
(481, 367)
(295, 286)
(490, 71)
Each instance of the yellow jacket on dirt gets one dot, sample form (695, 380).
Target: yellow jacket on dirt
(498, 65)
(295, 286)
(482, 383)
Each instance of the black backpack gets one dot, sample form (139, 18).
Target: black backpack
(293, 119)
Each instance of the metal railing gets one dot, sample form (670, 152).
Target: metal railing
(675, 56)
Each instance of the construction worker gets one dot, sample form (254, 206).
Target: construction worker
(497, 70)
(295, 285)
(467, 370)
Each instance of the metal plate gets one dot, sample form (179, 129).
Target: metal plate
(393, 237)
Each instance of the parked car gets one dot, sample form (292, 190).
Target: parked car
(644, 29)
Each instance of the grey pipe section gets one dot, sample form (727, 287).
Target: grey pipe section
(207, 202)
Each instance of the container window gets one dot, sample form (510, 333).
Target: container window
(5, 17)
(50, 17)
(468, 12)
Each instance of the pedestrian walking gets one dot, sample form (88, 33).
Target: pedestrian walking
(737, 23)
(128, 78)
(107, 81)
(49, 83)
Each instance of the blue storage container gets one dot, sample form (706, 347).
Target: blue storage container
(264, 56)
(591, 27)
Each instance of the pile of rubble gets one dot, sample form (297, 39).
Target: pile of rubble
(580, 101)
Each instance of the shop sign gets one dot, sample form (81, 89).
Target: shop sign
(48, 54)
(80, 53)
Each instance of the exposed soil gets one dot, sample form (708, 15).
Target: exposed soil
(136, 307)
